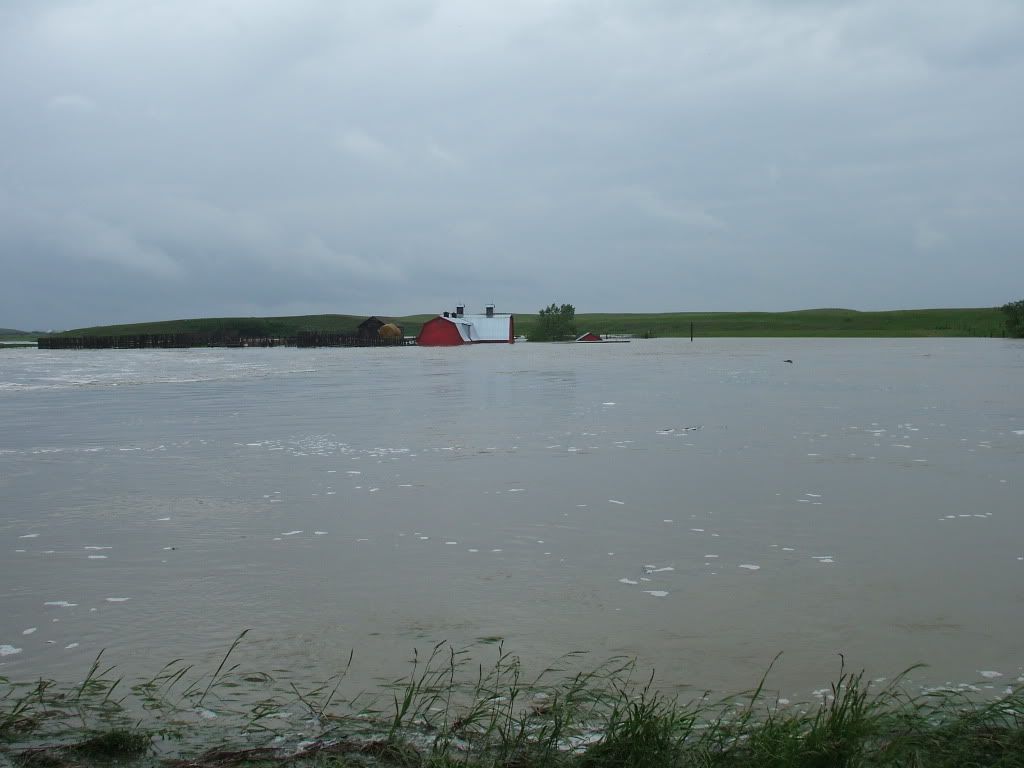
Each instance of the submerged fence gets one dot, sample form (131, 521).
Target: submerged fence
(187, 340)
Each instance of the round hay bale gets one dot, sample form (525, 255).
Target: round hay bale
(390, 331)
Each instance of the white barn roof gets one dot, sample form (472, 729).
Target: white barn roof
(481, 328)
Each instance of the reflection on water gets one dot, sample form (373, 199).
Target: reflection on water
(702, 506)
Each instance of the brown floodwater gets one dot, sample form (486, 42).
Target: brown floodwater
(700, 506)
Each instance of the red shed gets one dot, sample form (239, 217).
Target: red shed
(590, 336)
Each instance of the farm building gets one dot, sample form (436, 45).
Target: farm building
(369, 327)
(589, 336)
(455, 328)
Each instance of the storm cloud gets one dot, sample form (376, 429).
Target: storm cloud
(216, 157)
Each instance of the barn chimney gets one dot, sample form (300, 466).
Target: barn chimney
(446, 314)
(460, 309)
(490, 310)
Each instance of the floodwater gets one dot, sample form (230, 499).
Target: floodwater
(700, 506)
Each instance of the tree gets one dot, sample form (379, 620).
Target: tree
(556, 323)
(1014, 312)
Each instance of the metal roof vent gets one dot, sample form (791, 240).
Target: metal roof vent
(490, 310)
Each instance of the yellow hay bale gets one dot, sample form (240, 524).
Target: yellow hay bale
(390, 331)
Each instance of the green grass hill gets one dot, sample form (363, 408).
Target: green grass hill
(809, 322)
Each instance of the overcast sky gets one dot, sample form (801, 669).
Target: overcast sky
(190, 158)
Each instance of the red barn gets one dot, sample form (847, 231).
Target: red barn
(590, 336)
(449, 330)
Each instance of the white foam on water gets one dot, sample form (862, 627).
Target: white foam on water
(162, 519)
(1019, 432)
(813, 454)
(117, 599)
(662, 570)
(424, 538)
(353, 472)
(656, 592)
(69, 646)
(319, 533)
(711, 556)
(8, 650)
(28, 631)
(374, 490)
(291, 533)
(697, 530)
(989, 674)
(668, 521)
(750, 567)
(60, 603)
(362, 539)
(787, 549)
(607, 403)
(97, 549)
(472, 550)
(405, 485)
(20, 550)
(451, 542)
(496, 550)
(29, 536)
(627, 581)
(615, 501)
(813, 495)
(516, 490)
(97, 557)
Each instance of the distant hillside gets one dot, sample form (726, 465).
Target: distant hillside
(252, 327)
(808, 322)
(12, 334)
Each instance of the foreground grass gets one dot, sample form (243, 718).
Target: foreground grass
(448, 711)
(811, 322)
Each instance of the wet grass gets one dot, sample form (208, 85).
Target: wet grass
(451, 711)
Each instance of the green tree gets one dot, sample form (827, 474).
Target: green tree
(557, 323)
(1014, 312)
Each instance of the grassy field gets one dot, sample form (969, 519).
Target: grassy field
(811, 322)
(449, 710)
(11, 334)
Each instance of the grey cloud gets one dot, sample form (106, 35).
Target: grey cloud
(317, 156)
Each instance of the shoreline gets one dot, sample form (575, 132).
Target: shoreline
(452, 708)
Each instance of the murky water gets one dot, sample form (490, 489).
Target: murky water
(701, 506)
